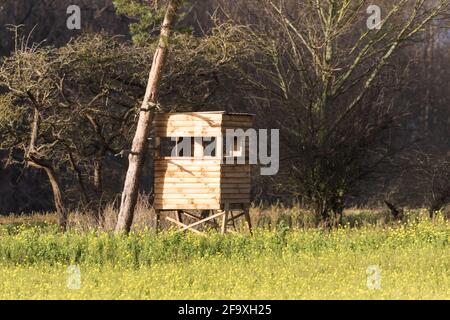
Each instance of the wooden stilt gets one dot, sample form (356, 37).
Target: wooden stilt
(157, 220)
(232, 220)
(180, 216)
(249, 221)
(225, 218)
(224, 222)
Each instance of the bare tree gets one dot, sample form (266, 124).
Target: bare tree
(335, 83)
(88, 93)
(65, 109)
(27, 117)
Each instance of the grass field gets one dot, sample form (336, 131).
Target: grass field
(412, 259)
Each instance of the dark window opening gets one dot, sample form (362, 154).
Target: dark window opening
(166, 146)
(237, 147)
(209, 145)
(176, 147)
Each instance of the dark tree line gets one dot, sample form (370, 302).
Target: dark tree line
(363, 113)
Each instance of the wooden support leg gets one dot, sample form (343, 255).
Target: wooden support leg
(249, 221)
(225, 218)
(157, 220)
(180, 216)
(224, 222)
(232, 220)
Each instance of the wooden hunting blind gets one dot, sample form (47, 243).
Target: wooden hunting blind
(192, 172)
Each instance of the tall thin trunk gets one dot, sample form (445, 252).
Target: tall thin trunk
(140, 142)
(57, 198)
(98, 186)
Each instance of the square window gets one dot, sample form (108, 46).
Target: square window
(167, 144)
(176, 147)
(209, 145)
(237, 147)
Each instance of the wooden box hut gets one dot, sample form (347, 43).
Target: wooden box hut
(191, 170)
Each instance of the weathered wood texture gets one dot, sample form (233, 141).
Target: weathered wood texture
(199, 182)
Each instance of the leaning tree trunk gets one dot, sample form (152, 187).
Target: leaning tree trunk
(58, 200)
(140, 142)
(40, 164)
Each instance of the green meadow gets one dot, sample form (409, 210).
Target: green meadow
(404, 260)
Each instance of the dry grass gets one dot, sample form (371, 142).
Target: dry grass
(262, 217)
(28, 218)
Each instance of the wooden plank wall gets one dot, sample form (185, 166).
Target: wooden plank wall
(188, 125)
(235, 184)
(236, 179)
(187, 183)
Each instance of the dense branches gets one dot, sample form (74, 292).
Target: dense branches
(363, 113)
(333, 81)
(70, 110)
